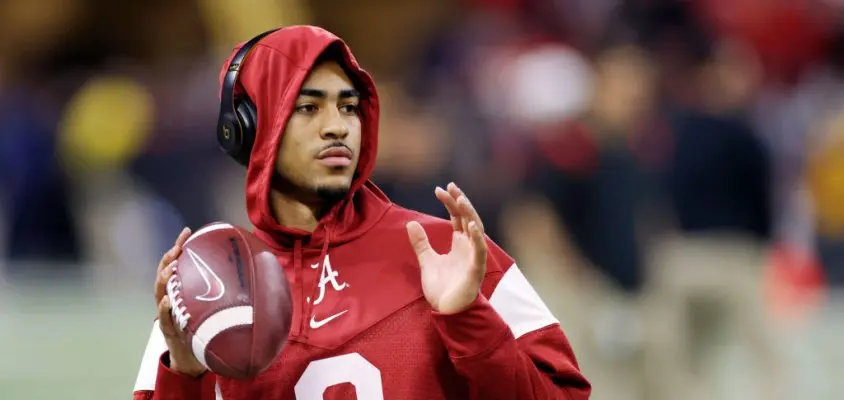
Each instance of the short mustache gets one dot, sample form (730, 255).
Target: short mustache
(333, 145)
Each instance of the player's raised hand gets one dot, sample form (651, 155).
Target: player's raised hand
(181, 356)
(452, 281)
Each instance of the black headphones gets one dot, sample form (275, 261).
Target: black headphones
(238, 118)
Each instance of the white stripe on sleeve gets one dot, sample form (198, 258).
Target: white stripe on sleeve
(519, 304)
(149, 363)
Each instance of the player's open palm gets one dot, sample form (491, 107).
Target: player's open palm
(452, 281)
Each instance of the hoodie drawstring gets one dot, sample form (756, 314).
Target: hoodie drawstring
(326, 242)
(297, 267)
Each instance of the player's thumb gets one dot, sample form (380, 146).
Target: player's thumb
(419, 240)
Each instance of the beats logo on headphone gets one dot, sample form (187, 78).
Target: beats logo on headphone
(238, 118)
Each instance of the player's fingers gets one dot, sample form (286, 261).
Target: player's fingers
(457, 194)
(165, 321)
(465, 220)
(456, 224)
(419, 241)
(479, 246)
(454, 190)
(452, 207)
(168, 257)
(162, 278)
(174, 252)
(469, 212)
(183, 237)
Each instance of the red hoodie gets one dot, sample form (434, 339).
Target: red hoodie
(360, 324)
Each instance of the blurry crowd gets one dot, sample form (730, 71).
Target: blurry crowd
(668, 173)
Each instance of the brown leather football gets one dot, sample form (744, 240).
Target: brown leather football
(231, 298)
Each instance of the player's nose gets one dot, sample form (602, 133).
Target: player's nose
(334, 127)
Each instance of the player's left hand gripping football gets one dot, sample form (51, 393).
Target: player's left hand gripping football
(452, 281)
(181, 356)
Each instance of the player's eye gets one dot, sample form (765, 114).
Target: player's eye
(349, 109)
(306, 108)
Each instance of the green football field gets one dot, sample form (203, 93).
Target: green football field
(85, 342)
(71, 341)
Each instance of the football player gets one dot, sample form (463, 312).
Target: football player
(388, 303)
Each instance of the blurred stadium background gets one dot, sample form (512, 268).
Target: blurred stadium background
(669, 173)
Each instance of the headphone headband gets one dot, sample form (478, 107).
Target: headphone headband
(235, 124)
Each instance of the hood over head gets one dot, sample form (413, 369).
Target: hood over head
(272, 76)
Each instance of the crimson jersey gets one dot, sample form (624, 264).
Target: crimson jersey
(361, 326)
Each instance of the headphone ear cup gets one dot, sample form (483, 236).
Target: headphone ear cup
(229, 135)
(247, 113)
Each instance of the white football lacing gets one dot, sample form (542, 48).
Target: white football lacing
(180, 313)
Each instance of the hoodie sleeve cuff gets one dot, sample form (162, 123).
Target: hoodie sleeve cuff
(172, 385)
(472, 331)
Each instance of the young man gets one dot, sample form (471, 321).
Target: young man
(389, 303)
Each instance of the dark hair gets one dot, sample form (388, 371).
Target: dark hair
(335, 53)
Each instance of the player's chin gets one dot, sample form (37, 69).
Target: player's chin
(333, 187)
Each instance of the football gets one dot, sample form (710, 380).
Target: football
(230, 297)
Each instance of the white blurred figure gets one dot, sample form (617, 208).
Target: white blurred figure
(530, 87)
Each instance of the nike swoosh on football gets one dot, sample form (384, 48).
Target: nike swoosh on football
(214, 285)
(317, 324)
